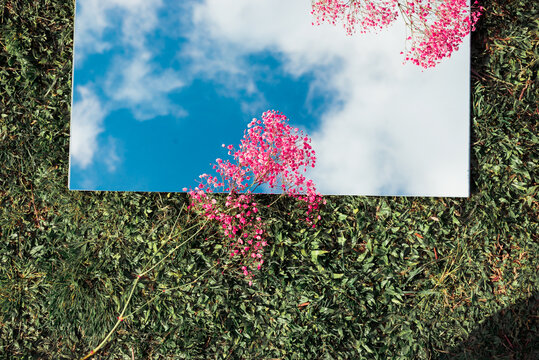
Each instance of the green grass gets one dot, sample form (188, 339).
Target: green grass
(380, 278)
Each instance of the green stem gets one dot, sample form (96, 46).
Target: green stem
(170, 289)
(120, 319)
(170, 235)
(172, 251)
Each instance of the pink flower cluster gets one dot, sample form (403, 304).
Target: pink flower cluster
(242, 227)
(436, 37)
(367, 15)
(436, 27)
(272, 153)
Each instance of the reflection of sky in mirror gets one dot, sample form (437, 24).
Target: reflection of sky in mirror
(160, 85)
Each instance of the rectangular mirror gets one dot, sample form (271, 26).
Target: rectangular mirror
(160, 85)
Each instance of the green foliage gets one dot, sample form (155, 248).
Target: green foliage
(378, 278)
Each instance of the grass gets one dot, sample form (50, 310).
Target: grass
(380, 278)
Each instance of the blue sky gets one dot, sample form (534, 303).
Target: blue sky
(160, 85)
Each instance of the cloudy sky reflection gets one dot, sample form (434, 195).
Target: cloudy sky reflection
(160, 85)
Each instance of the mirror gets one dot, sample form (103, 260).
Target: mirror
(160, 85)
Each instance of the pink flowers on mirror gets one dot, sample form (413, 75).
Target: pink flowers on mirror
(436, 27)
(272, 154)
(362, 16)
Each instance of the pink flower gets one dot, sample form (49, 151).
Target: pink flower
(436, 27)
(273, 153)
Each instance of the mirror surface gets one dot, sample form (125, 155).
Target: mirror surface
(160, 85)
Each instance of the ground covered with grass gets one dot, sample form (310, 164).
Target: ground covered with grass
(379, 278)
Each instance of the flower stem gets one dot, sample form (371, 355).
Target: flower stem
(170, 289)
(172, 251)
(144, 272)
(120, 319)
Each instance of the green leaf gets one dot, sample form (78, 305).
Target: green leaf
(36, 251)
(315, 254)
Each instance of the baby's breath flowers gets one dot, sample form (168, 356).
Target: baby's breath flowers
(436, 27)
(271, 153)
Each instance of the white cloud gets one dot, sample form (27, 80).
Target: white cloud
(86, 124)
(137, 84)
(224, 65)
(111, 157)
(133, 81)
(395, 129)
(95, 17)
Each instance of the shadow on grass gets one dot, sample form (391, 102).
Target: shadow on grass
(509, 334)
